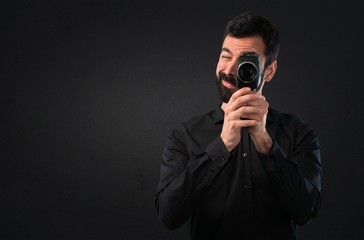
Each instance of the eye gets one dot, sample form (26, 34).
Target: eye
(225, 57)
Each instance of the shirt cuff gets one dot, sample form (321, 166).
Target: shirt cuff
(218, 152)
(274, 158)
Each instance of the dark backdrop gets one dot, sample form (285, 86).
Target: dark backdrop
(90, 89)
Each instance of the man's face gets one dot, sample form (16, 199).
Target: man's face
(231, 50)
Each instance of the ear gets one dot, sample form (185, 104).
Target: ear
(271, 70)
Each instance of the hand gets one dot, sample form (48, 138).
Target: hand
(247, 109)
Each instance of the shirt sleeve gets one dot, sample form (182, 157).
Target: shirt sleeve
(185, 177)
(296, 176)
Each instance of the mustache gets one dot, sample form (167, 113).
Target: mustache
(229, 79)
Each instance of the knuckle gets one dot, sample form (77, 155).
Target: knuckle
(252, 96)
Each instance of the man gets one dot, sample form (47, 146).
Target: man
(244, 170)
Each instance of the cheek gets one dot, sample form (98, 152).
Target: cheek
(219, 67)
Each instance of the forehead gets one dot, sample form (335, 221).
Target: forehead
(250, 44)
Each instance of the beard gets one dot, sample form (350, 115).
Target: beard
(224, 92)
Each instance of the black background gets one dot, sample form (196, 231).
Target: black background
(90, 89)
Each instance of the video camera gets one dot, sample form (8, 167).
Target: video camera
(248, 72)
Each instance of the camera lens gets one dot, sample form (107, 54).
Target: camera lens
(247, 71)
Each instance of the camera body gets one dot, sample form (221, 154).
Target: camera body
(248, 72)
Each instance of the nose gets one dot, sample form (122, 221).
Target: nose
(231, 68)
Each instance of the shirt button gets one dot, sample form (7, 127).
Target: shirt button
(245, 155)
(224, 157)
(246, 187)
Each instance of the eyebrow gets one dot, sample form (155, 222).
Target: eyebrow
(224, 49)
(251, 53)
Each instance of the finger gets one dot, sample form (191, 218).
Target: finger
(251, 110)
(240, 92)
(245, 123)
(251, 99)
(248, 113)
(252, 116)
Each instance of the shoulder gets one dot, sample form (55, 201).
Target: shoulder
(198, 125)
(287, 125)
(200, 119)
(287, 119)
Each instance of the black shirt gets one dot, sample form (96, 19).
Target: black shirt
(242, 194)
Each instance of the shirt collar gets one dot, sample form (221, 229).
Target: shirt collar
(219, 115)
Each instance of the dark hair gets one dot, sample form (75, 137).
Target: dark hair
(249, 24)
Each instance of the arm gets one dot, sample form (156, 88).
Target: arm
(296, 178)
(185, 177)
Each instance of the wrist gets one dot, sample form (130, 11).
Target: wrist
(263, 142)
(228, 144)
